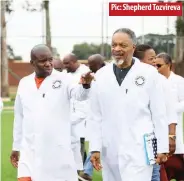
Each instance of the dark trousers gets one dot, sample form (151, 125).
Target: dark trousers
(173, 168)
(83, 150)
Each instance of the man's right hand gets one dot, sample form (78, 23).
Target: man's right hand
(95, 160)
(14, 158)
(161, 158)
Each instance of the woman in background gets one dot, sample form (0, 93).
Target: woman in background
(174, 167)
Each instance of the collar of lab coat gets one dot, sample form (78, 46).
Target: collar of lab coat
(171, 76)
(31, 78)
(136, 60)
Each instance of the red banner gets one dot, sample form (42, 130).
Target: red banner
(145, 9)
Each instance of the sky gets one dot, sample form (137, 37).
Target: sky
(73, 22)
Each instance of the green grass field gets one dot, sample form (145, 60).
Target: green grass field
(8, 173)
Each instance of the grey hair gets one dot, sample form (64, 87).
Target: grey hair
(129, 32)
(166, 57)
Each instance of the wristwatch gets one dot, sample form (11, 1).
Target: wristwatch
(172, 137)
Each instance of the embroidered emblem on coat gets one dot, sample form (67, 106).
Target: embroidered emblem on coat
(140, 81)
(56, 84)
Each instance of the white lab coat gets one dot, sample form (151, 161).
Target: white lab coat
(76, 142)
(169, 96)
(42, 127)
(121, 115)
(79, 109)
(78, 117)
(76, 149)
(177, 83)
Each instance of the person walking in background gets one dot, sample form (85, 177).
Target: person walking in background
(146, 54)
(95, 63)
(174, 167)
(58, 64)
(78, 108)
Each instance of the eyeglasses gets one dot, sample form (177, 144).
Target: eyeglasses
(159, 65)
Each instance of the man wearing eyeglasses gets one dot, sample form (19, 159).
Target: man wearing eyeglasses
(146, 54)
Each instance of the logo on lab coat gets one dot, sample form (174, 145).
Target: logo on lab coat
(139, 81)
(56, 84)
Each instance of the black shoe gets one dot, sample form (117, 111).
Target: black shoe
(85, 176)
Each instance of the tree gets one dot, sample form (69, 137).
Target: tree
(40, 7)
(5, 8)
(159, 42)
(84, 50)
(179, 51)
(10, 52)
(47, 22)
(11, 55)
(55, 53)
(17, 57)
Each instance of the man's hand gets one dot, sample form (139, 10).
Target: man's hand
(95, 160)
(14, 158)
(161, 158)
(172, 146)
(86, 79)
(172, 138)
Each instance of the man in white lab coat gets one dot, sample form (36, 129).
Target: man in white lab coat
(42, 133)
(175, 165)
(126, 101)
(58, 65)
(145, 53)
(78, 108)
(95, 63)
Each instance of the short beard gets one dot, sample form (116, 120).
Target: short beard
(118, 62)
